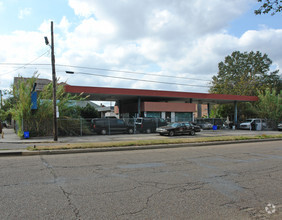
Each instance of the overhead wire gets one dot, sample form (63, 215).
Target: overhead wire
(133, 72)
(143, 80)
(111, 70)
(24, 65)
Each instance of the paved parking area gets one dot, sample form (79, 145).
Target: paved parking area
(11, 137)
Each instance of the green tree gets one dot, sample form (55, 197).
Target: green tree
(88, 112)
(245, 110)
(270, 105)
(22, 109)
(245, 74)
(39, 122)
(64, 101)
(273, 6)
(7, 105)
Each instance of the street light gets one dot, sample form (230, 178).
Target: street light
(69, 72)
(54, 80)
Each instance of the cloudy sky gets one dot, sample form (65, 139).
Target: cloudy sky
(171, 45)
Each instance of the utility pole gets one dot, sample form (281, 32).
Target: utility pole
(1, 105)
(55, 125)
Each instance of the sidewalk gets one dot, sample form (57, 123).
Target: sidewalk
(11, 138)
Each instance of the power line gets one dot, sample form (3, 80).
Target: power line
(112, 70)
(24, 65)
(133, 72)
(143, 80)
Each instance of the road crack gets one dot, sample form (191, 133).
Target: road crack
(67, 195)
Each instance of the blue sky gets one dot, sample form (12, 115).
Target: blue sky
(181, 38)
(250, 21)
(29, 14)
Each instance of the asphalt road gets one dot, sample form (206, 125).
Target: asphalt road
(235, 181)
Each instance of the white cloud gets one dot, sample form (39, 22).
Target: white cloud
(24, 12)
(1, 6)
(64, 25)
(81, 8)
(181, 38)
(174, 37)
(266, 41)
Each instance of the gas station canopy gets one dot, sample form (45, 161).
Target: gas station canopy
(127, 95)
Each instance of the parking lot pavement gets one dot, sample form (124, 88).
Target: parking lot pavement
(11, 138)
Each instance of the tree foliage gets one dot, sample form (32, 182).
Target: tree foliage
(39, 122)
(245, 74)
(270, 105)
(269, 6)
(8, 103)
(245, 110)
(89, 112)
(22, 108)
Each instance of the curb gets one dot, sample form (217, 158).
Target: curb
(130, 148)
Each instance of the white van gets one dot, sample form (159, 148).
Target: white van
(258, 124)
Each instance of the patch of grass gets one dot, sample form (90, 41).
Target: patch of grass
(151, 142)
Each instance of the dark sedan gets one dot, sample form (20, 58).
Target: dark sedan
(177, 128)
(279, 126)
(197, 128)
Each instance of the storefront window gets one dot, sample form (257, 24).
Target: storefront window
(183, 116)
(154, 114)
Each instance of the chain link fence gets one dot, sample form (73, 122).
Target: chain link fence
(91, 126)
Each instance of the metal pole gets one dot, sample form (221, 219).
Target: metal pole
(139, 107)
(1, 106)
(209, 110)
(54, 80)
(80, 126)
(235, 113)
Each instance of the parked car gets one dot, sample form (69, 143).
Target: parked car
(177, 128)
(253, 124)
(149, 124)
(111, 125)
(204, 125)
(197, 128)
(279, 126)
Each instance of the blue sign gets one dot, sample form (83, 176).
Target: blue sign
(34, 100)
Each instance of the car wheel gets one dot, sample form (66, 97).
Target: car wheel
(148, 130)
(103, 132)
(171, 133)
(130, 131)
(192, 132)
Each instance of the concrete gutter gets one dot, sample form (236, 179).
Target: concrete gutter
(130, 148)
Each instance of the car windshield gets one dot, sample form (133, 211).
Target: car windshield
(138, 120)
(248, 121)
(174, 125)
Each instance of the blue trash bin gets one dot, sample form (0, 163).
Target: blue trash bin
(214, 127)
(26, 134)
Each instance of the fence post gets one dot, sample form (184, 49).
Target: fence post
(80, 126)
(22, 124)
(109, 126)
